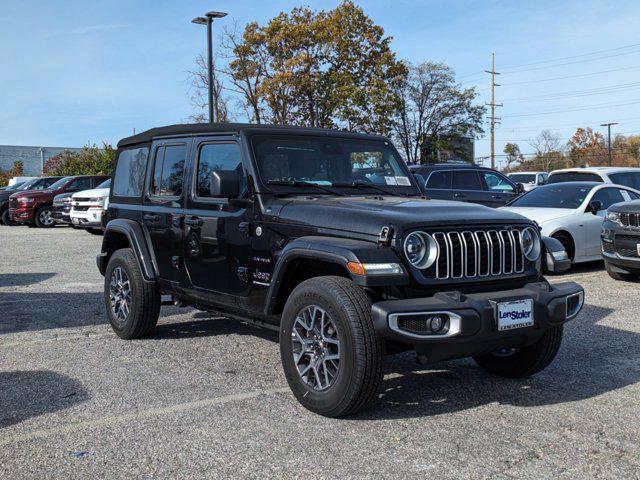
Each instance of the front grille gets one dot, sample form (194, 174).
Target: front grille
(627, 245)
(480, 253)
(630, 219)
(78, 199)
(80, 208)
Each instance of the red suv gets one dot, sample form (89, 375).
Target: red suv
(34, 207)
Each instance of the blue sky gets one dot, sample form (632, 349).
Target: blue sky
(75, 72)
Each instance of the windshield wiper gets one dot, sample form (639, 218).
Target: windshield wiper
(362, 184)
(303, 183)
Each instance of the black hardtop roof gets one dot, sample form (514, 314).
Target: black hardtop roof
(449, 166)
(187, 129)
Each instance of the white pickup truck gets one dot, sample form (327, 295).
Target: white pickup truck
(88, 207)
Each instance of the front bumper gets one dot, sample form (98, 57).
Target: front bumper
(621, 247)
(60, 214)
(21, 214)
(91, 218)
(472, 326)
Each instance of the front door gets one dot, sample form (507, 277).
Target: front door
(438, 185)
(593, 221)
(217, 230)
(467, 187)
(163, 206)
(499, 189)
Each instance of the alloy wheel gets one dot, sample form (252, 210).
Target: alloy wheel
(120, 294)
(316, 347)
(45, 218)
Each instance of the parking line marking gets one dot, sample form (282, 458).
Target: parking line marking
(154, 412)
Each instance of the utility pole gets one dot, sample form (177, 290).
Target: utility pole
(493, 106)
(608, 125)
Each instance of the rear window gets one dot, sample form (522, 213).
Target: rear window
(128, 179)
(628, 179)
(439, 180)
(561, 177)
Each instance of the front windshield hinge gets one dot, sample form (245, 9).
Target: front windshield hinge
(385, 236)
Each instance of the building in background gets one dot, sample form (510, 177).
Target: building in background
(33, 158)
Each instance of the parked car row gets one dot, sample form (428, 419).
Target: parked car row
(43, 202)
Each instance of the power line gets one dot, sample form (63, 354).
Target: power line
(573, 76)
(592, 107)
(579, 93)
(569, 63)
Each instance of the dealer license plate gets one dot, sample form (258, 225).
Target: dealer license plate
(516, 314)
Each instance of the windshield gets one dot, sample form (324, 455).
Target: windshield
(15, 186)
(554, 196)
(628, 179)
(331, 161)
(28, 184)
(105, 184)
(523, 177)
(59, 183)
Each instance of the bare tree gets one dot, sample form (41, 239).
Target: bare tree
(199, 90)
(548, 149)
(433, 105)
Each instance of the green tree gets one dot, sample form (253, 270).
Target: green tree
(513, 156)
(332, 69)
(91, 160)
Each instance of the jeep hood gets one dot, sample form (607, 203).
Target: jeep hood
(369, 214)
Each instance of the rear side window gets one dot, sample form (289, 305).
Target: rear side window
(168, 171)
(439, 181)
(628, 179)
(561, 177)
(128, 179)
(216, 156)
(466, 180)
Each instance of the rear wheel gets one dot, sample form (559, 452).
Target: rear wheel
(133, 304)
(331, 354)
(625, 277)
(43, 217)
(525, 361)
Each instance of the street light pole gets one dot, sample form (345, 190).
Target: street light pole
(608, 125)
(208, 20)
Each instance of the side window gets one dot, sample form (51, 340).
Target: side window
(439, 180)
(497, 183)
(79, 184)
(217, 156)
(608, 196)
(168, 170)
(633, 195)
(128, 179)
(466, 180)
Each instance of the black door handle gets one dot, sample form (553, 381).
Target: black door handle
(151, 217)
(193, 221)
(495, 196)
(458, 195)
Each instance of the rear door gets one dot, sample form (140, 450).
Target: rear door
(467, 187)
(217, 230)
(163, 206)
(438, 185)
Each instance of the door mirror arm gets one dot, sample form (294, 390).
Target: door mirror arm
(594, 207)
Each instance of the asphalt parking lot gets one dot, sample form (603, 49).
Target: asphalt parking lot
(206, 397)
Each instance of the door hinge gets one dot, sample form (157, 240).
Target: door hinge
(385, 235)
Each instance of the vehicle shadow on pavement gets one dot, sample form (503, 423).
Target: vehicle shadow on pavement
(29, 312)
(208, 324)
(22, 279)
(26, 394)
(584, 369)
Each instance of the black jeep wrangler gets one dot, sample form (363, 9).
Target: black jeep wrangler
(326, 237)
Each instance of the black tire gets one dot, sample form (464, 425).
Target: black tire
(359, 374)
(5, 218)
(42, 220)
(567, 243)
(623, 277)
(94, 231)
(144, 305)
(526, 361)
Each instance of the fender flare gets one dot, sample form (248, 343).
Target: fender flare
(552, 257)
(138, 241)
(338, 251)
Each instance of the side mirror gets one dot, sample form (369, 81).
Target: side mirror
(519, 188)
(594, 207)
(225, 183)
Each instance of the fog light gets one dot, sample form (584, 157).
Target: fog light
(436, 323)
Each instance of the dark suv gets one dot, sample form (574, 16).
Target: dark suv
(325, 237)
(621, 240)
(467, 183)
(36, 207)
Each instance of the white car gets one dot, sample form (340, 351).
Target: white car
(529, 180)
(573, 213)
(88, 207)
(626, 176)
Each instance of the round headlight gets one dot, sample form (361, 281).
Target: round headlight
(420, 249)
(530, 244)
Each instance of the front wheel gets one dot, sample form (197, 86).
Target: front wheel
(133, 304)
(331, 354)
(525, 361)
(43, 217)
